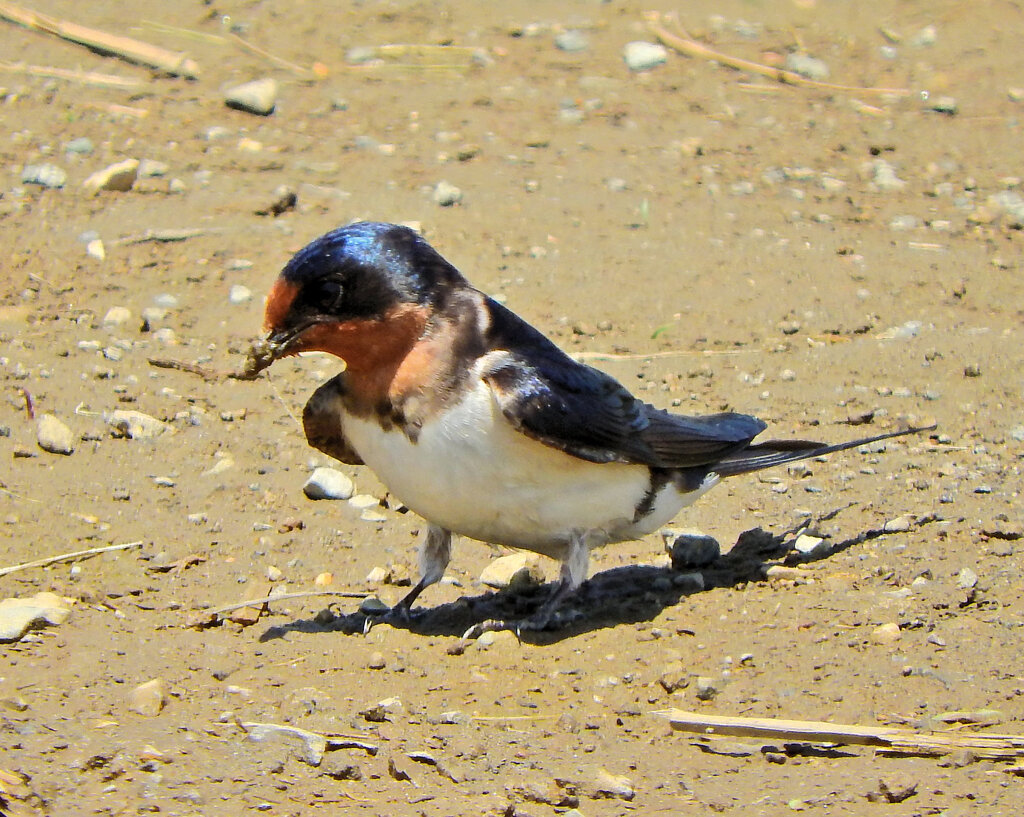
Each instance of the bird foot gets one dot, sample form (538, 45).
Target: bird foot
(398, 616)
(544, 620)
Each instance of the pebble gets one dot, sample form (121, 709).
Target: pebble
(571, 41)
(966, 578)
(119, 177)
(148, 699)
(95, 249)
(323, 579)
(239, 294)
(360, 501)
(884, 176)
(54, 436)
(373, 515)
(329, 483)
(135, 425)
(945, 104)
(640, 55)
(45, 175)
(274, 573)
(19, 615)
(807, 66)
(373, 606)
(706, 687)
(888, 633)
(675, 676)
(378, 575)
(309, 747)
(117, 315)
(925, 38)
(376, 660)
(447, 194)
(690, 549)
(258, 97)
(514, 570)
(901, 524)
(83, 146)
(811, 546)
(611, 785)
(151, 169)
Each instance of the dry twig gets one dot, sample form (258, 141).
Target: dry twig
(85, 77)
(172, 62)
(887, 739)
(229, 608)
(68, 557)
(685, 44)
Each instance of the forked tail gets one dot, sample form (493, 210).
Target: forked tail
(779, 452)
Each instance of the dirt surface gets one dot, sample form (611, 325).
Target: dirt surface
(713, 239)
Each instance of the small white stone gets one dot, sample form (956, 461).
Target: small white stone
(886, 633)
(329, 483)
(966, 579)
(258, 97)
(447, 194)
(239, 294)
(54, 436)
(378, 575)
(95, 249)
(810, 545)
(19, 615)
(643, 56)
(135, 425)
(516, 569)
(117, 315)
(360, 501)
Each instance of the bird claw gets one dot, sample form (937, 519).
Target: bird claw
(399, 615)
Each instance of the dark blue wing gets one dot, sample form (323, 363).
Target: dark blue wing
(548, 396)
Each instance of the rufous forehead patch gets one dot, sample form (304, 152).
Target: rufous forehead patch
(279, 303)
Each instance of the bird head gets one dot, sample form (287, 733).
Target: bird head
(354, 292)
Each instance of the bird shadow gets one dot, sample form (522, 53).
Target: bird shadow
(621, 595)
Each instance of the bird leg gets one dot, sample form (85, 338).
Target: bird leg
(434, 553)
(573, 573)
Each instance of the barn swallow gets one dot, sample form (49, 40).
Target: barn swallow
(479, 423)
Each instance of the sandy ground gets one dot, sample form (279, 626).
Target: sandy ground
(712, 238)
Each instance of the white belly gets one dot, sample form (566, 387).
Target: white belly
(471, 472)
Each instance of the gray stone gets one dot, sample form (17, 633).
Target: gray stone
(707, 688)
(640, 55)
(691, 549)
(258, 97)
(54, 436)
(45, 175)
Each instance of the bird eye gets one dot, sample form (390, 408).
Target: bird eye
(327, 296)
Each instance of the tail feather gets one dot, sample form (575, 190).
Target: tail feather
(779, 452)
